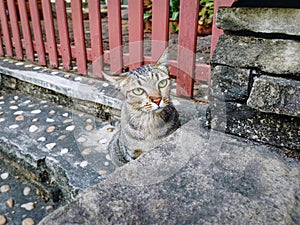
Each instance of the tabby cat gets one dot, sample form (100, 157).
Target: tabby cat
(147, 114)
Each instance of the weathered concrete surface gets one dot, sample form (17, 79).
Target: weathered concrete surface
(275, 95)
(241, 120)
(195, 177)
(261, 20)
(275, 56)
(230, 84)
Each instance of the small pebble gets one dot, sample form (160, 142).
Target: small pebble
(52, 112)
(62, 137)
(4, 188)
(33, 128)
(49, 207)
(86, 151)
(106, 163)
(68, 121)
(70, 128)
(13, 107)
(50, 146)
(4, 176)
(18, 113)
(20, 118)
(67, 76)
(64, 151)
(50, 129)
(34, 120)
(2, 119)
(110, 129)
(37, 111)
(1, 97)
(89, 120)
(65, 114)
(42, 139)
(26, 191)
(89, 127)
(28, 66)
(1, 103)
(107, 157)
(1, 113)
(10, 203)
(49, 120)
(78, 79)
(105, 85)
(14, 126)
(102, 172)
(81, 139)
(28, 221)
(36, 68)
(54, 73)
(12, 102)
(28, 206)
(83, 164)
(31, 105)
(16, 97)
(43, 102)
(3, 220)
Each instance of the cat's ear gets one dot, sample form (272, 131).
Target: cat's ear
(118, 80)
(162, 62)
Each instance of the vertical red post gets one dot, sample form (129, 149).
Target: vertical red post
(63, 32)
(216, 32)
(50, 34)
(5, 29)
(136, 33)
(115, 35)
(160, 27)
(37, 31)
(26, 30)
(15, 29)
(78, 29)
(188, 20)
(1, 48)
(96, 37)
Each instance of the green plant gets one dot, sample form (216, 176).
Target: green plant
(174, 14)
(206, 12)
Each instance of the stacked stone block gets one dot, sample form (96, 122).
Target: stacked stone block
(255, 89)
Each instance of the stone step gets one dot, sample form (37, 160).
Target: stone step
(61, 149)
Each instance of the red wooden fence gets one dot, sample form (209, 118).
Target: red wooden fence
(30, 26)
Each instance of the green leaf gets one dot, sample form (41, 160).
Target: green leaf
(147, 15)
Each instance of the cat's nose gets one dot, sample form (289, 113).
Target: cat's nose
(156, 100)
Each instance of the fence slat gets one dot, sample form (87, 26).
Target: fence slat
(96, 37)
(115, 35)
(26, 30)
(160, 27)
(63, 33)
(15, 29)
(5, 29)
(37, 31)
(136, 33)
(1, 48)
(188, 20)
(50, 34)
(78, 29)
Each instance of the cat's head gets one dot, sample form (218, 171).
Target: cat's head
(146, 88)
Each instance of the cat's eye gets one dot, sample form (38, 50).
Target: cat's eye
(138, 91)
(163, 83)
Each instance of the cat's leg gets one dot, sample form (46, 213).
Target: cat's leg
(115, 152)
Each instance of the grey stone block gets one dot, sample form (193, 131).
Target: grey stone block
(260, 20)
(275, 56)
(214, 179)
(241, 120)
(275, 95)
(230, 84)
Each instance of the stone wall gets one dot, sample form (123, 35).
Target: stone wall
(255, 89)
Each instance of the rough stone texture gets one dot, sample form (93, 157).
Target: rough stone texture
(275, 56)
(241, 120)
(195, 177)
(261, 20)
(275, 95)
(230, 84)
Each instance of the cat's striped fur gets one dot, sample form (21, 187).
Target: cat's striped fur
(147, 114)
